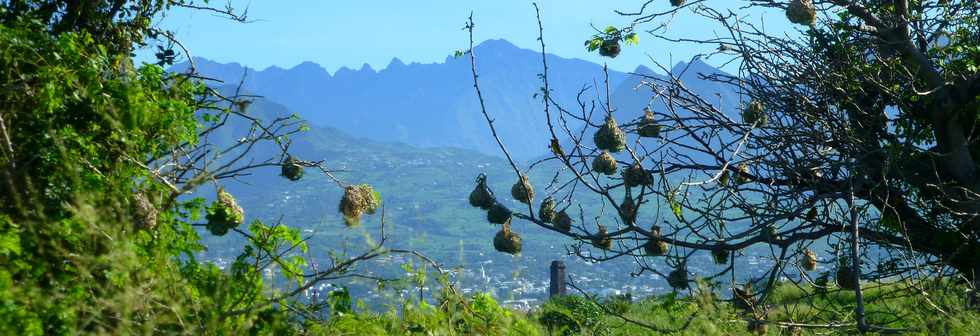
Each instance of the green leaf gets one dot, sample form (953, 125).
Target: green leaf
(632, 39)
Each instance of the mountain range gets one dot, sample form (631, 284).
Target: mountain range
(434, 105)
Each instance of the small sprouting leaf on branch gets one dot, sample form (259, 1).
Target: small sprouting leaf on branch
(632, 39)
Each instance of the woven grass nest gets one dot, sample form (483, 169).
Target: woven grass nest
(678, 279)
(604, 163)
(224, 214)
(758, 327)
(522, 190)
(627, 210)
(677, 3)
(720, 256)
(563, 222)
(292, 168)
(635, 175)
(801, 12)
(809, 260)
(358, 200)
(769, 234)
(845, 277)
(144, 212)
(602, 239)
(610, 48)
(648, 127)
(507, 241)
(481, 196)
(498, 214)
(655, 246)
(547, 210)
(755, 113)
(610, 137)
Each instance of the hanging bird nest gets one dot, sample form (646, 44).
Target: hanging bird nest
(845, 277)
(507, 241)
(758, 327)
(743, 170)
(563, 222)
(522, 190)
(677, 3)
(678, 279)
(547, 210)
(481, 196)
(224, 213)
(655, 246)
(610, 48)
(144, 212)
(601, 239)
(635, 175)
(649, 127)
(609, 137)
(801, 12)
(769, 234)
(809, 260)
(719, 255)
(605, 163)
(292, 168)
(811, 215)
(498, 214)
(754, 113)
(358, 200)
(627, 210)
(743, 297)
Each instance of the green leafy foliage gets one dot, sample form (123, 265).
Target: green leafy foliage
(80, 123)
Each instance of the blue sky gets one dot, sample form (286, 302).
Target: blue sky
(351, 33)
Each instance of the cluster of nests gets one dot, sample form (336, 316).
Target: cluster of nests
(482, 197)
(506, 240)
(358, 200)
(224, 214)
(633, 176)
(609, 138)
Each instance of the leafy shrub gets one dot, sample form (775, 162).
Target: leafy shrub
(570, 314)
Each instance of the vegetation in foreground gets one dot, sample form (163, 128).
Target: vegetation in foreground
(790, 313)
(95, 153)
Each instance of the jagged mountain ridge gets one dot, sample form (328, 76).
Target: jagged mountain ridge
(434, 105)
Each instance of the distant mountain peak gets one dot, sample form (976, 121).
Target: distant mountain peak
(395, 64)
(695, 66)
(308, 66)
(643, 70)
(496, 44)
